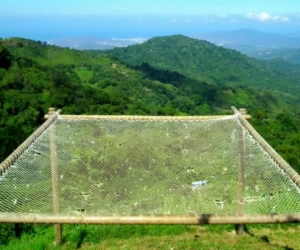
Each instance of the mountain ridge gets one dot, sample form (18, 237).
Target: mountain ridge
(246, 40)
(204, 61)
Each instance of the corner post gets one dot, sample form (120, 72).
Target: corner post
(239, 228)
(55, 186)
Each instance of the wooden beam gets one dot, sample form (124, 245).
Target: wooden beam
(150, 219)
(141, 118)
(275, 156)
(20, 150)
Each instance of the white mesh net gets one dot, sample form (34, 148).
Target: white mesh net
(142, 167)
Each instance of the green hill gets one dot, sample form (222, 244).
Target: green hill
(205, 61)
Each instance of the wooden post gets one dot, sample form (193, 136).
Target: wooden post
(239, 228)
(55, 187)
(295, 177)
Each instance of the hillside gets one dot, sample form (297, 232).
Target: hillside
(205, 61)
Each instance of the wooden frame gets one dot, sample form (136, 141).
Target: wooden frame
(277, 158)
(58, 219)
(151, 219)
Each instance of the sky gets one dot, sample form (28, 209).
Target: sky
(44, 20)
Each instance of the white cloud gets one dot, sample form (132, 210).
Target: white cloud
(265, 17)
(173, 20)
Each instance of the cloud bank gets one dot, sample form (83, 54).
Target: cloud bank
(265, 17)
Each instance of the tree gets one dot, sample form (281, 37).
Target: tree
(5, 58)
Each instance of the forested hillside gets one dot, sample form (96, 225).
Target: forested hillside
(205, 61)
(167, 78)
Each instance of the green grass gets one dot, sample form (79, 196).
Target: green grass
(279, 236)
(84, 74)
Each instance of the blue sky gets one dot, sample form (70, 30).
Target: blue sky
(42, 20)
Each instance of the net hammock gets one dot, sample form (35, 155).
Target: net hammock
(84, 167)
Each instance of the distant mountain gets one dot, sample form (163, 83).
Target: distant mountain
(94, 43)
(291, 55)
(246, 40)
(262, 46)
(205, 61)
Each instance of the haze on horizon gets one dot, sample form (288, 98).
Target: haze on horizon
(46, 20)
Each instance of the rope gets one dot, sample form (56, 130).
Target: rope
(276, 157)
(21, 149)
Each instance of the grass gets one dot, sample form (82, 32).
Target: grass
(84, 73)
(92, 237)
